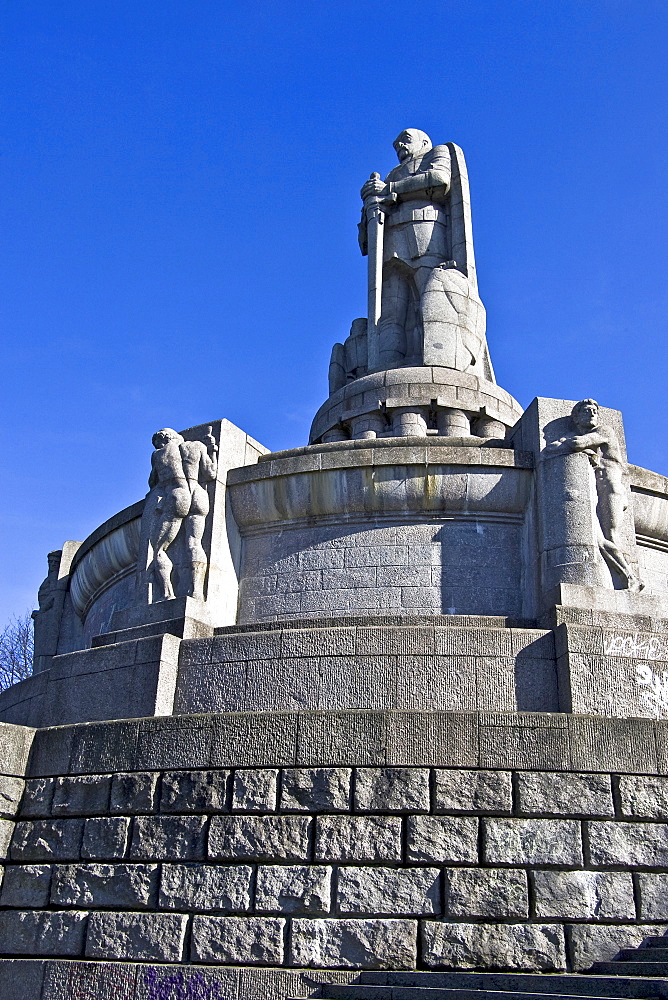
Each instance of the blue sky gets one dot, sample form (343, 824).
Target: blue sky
(179, 205)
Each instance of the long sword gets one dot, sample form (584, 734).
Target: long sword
(375, 231)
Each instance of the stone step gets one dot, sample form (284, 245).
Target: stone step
(654, 953)
(355, 992)
(655, 942)
(634, 968)
(571, 984)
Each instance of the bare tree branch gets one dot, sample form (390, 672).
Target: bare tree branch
(16, 649)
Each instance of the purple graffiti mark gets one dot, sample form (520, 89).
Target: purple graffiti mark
(175, 986)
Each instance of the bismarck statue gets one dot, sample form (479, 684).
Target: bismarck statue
(424, 310)
(430, 312)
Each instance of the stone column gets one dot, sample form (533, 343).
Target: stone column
(452, 423)
(367, 426)
(409, 421)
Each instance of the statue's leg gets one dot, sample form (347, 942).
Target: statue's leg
(453, 319)
(610, 508)
(442, 321)
(392, 325)
(197, 560)
(167, 532)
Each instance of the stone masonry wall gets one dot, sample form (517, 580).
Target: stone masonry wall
(458, 567)
(338, 867)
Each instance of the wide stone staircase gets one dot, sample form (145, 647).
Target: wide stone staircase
(649, 959)
(627, 977)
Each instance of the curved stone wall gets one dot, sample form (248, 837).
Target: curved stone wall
(104, 560)
(649, 494)
(449, 500)
(394, 527)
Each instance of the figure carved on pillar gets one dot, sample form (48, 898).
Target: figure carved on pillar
(179, 471)
(599, 443)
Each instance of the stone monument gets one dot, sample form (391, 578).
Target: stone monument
(387, 710)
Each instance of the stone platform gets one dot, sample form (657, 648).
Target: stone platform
(324, 840)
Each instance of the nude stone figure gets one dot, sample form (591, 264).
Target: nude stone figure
(599, 443)
(178, 470)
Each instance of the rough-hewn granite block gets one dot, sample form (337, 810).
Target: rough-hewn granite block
(360, 944)
(194, 791)
(254, 790)
(653, 892)
(31, 932)
(564, 794)
(584, 895)
(643, 797)
(590, 943)
(293, 888)
(238, 940)
(442, 838)
(628, 843)
(141, 937)
(134, 793)
(392, 789)
(83, 795)
(205, 887)
(406, 892)
(472, 791)
(358, 838)
(124, 887)
(26, 886)
(168, 838)
(532, 947)
(486, 892)
(37, 797)
(533, 841)
(47, 840)
(316, 789)
(280, 838)
(105, 837)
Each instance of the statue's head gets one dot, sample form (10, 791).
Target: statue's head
(164, 436)
(53, 560)
(411, 142)
(585, 414)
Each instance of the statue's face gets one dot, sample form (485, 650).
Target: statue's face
(408, 143)
(586, 416)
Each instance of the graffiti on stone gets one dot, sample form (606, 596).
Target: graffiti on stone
(654, 695)
(637, 644)
(177, 986)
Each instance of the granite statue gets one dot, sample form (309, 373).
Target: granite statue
(416, 229)
(180, 470)
(599, 443)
